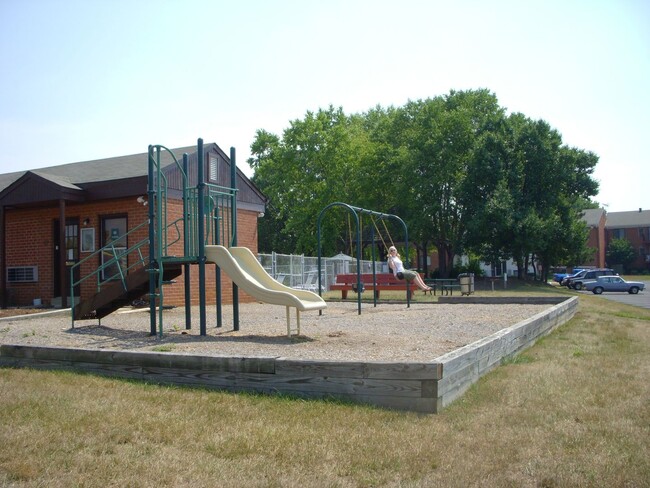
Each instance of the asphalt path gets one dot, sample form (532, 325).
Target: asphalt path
(642, 299)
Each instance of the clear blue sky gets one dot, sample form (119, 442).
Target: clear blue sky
(90, 79)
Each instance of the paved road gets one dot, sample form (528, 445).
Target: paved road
(640, 300)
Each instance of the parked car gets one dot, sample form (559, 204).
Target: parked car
(565, 281)
(561, 274)
(613, 283)
(589, 275)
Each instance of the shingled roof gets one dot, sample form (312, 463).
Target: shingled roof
(108, 169)
(592, 216)
(106, 178)
(635, 218)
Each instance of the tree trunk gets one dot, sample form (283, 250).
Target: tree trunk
(445, 258)
(521, 270)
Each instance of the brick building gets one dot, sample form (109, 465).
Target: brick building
(54, 217)
(633, 226)
(595, 219)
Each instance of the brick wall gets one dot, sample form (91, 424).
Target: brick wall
(30, 242)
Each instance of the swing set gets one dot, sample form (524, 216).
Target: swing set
(357, 213)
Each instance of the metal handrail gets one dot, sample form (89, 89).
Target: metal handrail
(115, 260)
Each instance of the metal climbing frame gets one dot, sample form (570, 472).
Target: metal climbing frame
(356, 211)
(209, 216)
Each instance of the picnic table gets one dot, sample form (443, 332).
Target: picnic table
(446, 286)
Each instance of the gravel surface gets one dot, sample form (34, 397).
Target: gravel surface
(388, 332)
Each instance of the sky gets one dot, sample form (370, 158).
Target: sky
(90, 79)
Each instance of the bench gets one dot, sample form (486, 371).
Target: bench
(384, 281)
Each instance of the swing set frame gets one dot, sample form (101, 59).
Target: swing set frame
(357, 212)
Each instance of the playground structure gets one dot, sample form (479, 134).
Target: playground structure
(200, 233)
(356, 212)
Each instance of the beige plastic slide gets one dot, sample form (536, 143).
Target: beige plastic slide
(248, 274)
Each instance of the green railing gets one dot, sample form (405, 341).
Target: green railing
(116, 256)
(218, 225)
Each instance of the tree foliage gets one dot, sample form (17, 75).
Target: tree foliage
(620, 252)
(463, 176)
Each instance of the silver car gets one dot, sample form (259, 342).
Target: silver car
(613, 283)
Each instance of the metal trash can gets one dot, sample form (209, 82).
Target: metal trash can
(466, 281)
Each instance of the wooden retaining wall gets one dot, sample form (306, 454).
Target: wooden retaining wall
(421, 387)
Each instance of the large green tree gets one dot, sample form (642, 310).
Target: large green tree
(464, 176)
(437, 141)
(314, 164)
(533, 188)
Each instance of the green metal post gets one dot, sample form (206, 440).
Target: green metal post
(186, 245)
(233, 218)
(320, 293)
(374, 271)
(217, 279)
(151, 198)
(161, 226)
(201, 237)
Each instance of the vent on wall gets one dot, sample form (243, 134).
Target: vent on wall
(22, 274)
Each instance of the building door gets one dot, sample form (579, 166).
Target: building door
(113, 245)
(71, 255)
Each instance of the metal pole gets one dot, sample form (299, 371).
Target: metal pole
(374, 271)
(201, 237)
(217, 275)
(186, 245)
(151, 198)
(233, 185)
(318, 261)
(161, 226)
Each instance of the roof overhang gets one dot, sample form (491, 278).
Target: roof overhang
(36, 188)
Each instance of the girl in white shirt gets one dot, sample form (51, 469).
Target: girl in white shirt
(396, 265)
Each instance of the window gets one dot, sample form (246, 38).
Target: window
(618, 233)
(88, 240)
(113, 246)
(213, 165)
(72, 242)
(22, 274)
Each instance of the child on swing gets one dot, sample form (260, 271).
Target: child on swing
(396, 265)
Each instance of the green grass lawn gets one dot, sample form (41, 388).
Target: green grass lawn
(573, 410)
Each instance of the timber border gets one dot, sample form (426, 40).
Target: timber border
(425, 387)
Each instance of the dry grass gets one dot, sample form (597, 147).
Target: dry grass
(572, 411)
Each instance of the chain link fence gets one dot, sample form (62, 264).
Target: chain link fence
(299, 271)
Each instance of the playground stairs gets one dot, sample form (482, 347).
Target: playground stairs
(118, 294)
